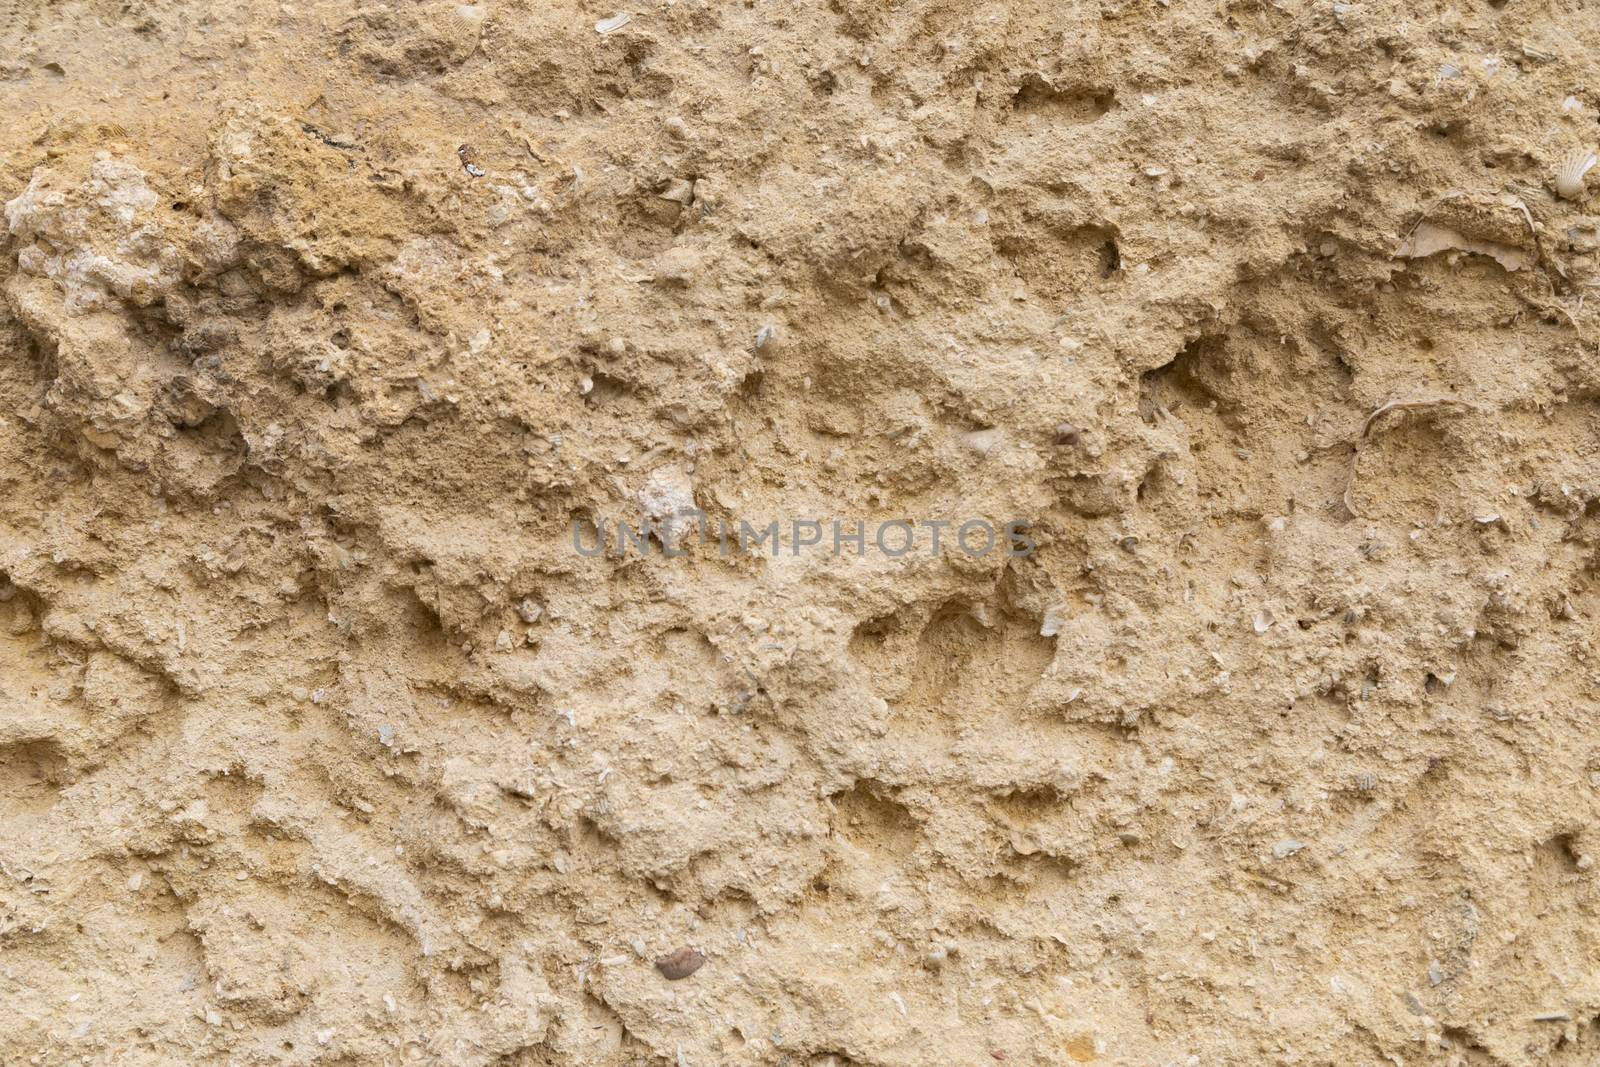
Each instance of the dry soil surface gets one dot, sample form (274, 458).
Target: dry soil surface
(324, 325)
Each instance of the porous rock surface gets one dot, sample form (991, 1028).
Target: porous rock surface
(322, 324)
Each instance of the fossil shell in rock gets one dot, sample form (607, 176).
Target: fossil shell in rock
(1570, 172)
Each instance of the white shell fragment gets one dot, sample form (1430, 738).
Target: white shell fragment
(1570, 172)
(1429, 239)
(612, 24)
(680, 191)
(1055, 617)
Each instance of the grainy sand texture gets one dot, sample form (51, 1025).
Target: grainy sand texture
(1272, 736)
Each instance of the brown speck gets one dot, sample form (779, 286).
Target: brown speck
(467, 153)
(678, 965)
(1066, 433)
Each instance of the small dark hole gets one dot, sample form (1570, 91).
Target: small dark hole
(1110, 258)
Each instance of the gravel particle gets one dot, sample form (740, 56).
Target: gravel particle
(676, 966)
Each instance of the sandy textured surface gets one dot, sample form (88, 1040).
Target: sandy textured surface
(321, 324)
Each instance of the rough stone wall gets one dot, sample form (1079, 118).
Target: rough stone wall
(321, 324)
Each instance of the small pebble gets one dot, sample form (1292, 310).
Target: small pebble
(679, 965)
(984, 442)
